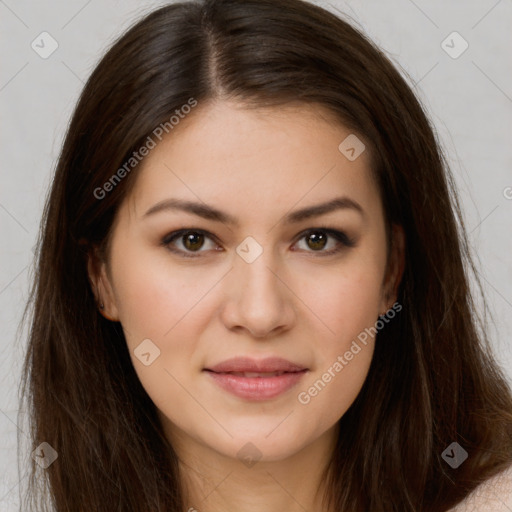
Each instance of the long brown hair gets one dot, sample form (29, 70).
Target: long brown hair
(432, 380)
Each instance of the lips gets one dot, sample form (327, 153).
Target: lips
(256, 374)
(246, 365)
(255, 380)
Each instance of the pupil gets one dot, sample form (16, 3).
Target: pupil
(317, 240)
(193, 240)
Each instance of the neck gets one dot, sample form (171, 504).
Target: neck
(214, 482)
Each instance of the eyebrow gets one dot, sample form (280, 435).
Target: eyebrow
(210, 213)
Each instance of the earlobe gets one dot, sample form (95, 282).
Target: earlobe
(101, 286)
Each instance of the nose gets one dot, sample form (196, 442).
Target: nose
(259, 300)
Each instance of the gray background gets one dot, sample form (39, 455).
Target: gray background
(469, 99)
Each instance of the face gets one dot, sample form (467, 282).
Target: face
(221, 251)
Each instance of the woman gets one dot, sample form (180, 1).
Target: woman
(251, 291)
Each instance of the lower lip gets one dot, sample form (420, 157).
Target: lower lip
(257, 388)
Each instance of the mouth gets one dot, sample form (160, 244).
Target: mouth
(252, 375)
(247, 365)
(255, 380)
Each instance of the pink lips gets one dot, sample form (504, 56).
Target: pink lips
(256, 379)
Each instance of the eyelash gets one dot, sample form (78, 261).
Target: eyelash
(342, 238)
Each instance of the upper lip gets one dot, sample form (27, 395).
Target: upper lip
(246, 364)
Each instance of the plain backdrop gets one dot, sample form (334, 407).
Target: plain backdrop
(469, 99)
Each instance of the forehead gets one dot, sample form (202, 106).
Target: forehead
(254, 160)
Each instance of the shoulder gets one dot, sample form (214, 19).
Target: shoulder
(494, 494)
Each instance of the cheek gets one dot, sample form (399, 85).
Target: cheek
(345, 299)
(347, 307)
(330, 392)
(160, 310)
(347, 303)
(167, 305)
(153, 296)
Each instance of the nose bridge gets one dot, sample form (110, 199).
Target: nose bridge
(253, 272)
(260, 302)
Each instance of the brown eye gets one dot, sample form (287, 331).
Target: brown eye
(316, 240)
(193, 241)
(189, 242)
(325, 241)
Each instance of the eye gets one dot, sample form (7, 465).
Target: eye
(317, 239)
(191, 240)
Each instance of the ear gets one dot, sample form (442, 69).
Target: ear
(395, 268)
(101, 285)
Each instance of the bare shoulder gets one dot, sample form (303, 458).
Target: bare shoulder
(493, 495)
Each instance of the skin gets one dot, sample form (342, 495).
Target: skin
(291, 302)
